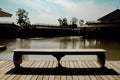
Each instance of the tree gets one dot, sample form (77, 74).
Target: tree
(73, 23)
(22, 20)
(81, 22)
(74, 20)
(63, 22)
(60, 22)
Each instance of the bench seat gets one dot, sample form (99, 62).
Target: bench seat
(58, 53)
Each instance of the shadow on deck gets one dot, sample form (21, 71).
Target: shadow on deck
(63, 71)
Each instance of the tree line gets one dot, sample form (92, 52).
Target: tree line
(73, 23)
(24, 22)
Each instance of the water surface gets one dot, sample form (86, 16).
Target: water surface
(112, 47)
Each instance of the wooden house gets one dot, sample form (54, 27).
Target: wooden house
(51, 31)
(111, 17)
(4, 13)
(8, 30)
(107, 26)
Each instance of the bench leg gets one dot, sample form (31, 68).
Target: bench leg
(101, 59)
(17, 60)
(58, 57)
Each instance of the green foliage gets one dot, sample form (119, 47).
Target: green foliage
(74, 20)
(73, 24)
(81, 22)
(22, 20)
(63, 22)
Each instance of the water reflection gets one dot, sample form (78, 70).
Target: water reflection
(59, 43)
(78, 42)
(112, 46)
(70, 42)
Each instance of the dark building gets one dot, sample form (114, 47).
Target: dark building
(8, 30)
(51, 31)
(111, 17)
(107, 26)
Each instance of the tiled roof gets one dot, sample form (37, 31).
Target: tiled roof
(117, 11)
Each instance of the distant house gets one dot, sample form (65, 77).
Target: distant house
(107, 26)
(7, 29)
(4, 13)
(111, 17)
(44, 30)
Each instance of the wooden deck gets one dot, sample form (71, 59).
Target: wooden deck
(73, 70)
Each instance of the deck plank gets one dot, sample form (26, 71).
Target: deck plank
(57, 77)
(23, 77)
(63, 78)
(52, 77)
(68, 65)
(40, 77)
(6, 66)
(28, 77)
(11, 77)
(69, 78)
(46, 77)
(34, 77)
(112, 65)
(63, 63)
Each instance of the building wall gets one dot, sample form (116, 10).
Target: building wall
(109, 30)
(107, 27)
(8, 30)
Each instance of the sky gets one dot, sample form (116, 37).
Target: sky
(48, 11)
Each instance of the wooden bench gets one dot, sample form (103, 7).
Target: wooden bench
(58, 53)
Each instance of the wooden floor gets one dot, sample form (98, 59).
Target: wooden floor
(72, 70)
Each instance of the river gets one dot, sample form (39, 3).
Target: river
(72, 42)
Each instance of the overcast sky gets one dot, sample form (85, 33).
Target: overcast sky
(48, 11)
